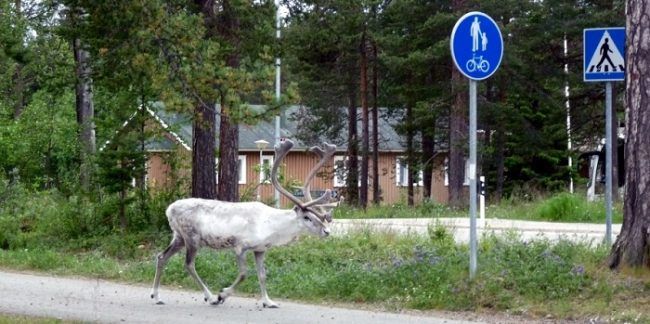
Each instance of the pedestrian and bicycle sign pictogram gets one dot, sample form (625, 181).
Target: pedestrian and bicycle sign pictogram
(604, 54)
(476, 45)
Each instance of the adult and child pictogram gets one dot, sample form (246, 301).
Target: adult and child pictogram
(476, 45)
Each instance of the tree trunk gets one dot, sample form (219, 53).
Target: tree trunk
(632, 247)
(122, 211)
(428, 151)
(410, 158)
(458, 131)
(228, 155)
(500, 161)
(228, 26)
(203, 147)
(376, 195)
(352, 179)
(85, 113)
(365, 138)
(458, 137)
(18, 80)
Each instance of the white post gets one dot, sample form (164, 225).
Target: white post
(567, 105)
(481, 201)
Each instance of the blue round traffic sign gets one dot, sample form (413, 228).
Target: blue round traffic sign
(476, 45)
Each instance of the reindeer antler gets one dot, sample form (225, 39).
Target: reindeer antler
(281, 151)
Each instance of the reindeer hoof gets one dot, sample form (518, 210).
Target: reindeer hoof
(160, 302)
(265, 305)
(220, 300)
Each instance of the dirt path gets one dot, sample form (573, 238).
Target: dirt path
(108, 302)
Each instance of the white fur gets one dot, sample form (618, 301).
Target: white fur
(242, 227)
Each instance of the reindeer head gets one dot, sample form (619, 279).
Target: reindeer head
(314, 213)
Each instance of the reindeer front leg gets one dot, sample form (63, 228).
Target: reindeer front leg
(261, 275)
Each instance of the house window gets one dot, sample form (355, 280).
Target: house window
(340, 170)
(265, 172)
(241, 169)
(465, 181)
(402, 173)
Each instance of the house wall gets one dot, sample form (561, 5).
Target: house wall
(297, 166)
(300, 163)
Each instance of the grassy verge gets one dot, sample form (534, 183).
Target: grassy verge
(537, 279)
(20, 319)
(562, 207)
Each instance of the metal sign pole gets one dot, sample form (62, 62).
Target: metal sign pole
(472, 180)
(477, 49)
(608, 161)
(276, 193)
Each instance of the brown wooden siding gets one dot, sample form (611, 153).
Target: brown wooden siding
(298, 165)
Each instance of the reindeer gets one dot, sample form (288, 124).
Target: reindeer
(245, 226)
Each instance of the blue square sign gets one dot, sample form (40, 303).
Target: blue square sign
(604, 54)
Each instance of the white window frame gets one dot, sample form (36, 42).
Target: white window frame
(241, 160)
(339, 161)
(267, 163)
(241, 166)
(465, 180)
(401, 179)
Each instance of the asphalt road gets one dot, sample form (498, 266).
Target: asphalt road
(107, 302)
(459, 228)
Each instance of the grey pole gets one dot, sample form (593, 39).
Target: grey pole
(472, 180)
(276, 195)
(609, 138)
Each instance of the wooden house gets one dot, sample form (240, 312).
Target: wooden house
(175, 138)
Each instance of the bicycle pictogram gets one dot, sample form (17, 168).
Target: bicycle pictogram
(477, 63)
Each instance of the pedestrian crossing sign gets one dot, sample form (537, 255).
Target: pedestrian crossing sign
(604, 54)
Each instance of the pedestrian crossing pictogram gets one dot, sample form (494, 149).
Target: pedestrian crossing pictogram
(604, 58)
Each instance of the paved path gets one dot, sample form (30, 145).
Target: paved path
(107, 302)
(459, 227)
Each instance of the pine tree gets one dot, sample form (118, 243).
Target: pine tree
(632, 247)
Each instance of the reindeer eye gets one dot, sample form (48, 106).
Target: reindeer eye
(307, 218)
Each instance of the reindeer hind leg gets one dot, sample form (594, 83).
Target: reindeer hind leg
(192, 250)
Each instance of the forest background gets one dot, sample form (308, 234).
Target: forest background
(72, 71)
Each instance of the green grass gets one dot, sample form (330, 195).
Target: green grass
(561, 207)
(21, 319)
(536, 279)
(70, 236)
